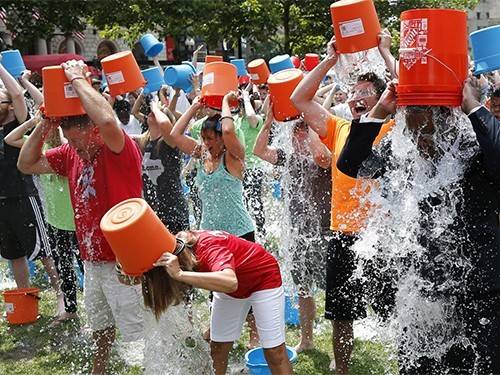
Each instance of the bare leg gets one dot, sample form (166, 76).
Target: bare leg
(50, 268)
(103, 341)
(307, 310)
(277, 360)
(21, 272)
(220, 353)
(343, 342)
(254, 335)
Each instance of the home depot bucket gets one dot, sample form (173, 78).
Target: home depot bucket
(136, 235)
(355, 24)
(259, 72)
(21, 305)
(433, 57)
(122, 73)
(213, 58)
(179, 76)
(13, 62)
(257, 364)
(154, 80)
(281, 86)
(311, 60)
(240, 66)
(59, 97)
(219, 78)
(486, 49)
(280, 62)
(151, 46)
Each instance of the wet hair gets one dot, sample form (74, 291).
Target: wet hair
(212, 123)
(6, 92)
(81, 122)
(378, 82)
(496, 93)
(263, 86)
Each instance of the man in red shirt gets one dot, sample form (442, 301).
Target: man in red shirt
(103, 167)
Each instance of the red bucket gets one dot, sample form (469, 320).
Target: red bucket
(433, 57)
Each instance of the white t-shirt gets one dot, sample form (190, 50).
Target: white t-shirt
(132, 128)
(342, 110)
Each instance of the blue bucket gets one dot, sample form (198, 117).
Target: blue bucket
(241, 66)
(179, 76)
(292, 316)
(486, 49)
(152, 47)
(13, 62)
(280, 62)
(104, 82)
(257, 364)
(154, 80)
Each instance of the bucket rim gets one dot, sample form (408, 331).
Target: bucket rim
(20, 291)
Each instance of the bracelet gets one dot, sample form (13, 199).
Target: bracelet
(228, 117)
(79, 77)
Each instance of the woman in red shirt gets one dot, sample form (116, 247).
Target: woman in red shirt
(241, 274)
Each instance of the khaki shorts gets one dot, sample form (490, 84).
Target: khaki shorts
(109, 303)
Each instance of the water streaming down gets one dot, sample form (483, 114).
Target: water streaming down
(409, 235)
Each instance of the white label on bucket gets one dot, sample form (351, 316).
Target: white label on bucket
(69, 91)
(413, 42)
(208, 79)
(351, 28)
(115, 77)
(9, 308)
(254, 76)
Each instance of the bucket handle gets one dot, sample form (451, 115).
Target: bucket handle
(32, 295)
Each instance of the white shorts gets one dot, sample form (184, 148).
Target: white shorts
(229, 314)
(109, 303)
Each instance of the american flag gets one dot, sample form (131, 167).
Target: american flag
(80, 35)
(36, 15)
(3, 15)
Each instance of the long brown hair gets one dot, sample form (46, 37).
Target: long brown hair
(159, 290)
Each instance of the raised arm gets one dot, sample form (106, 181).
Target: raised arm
(136, 109)
(32, 89)
(231, 141)
(252, 117)
(384, 48)
(16, 93)
(16, 137)
(303, 96)
(156, 62)
(162, 121)
(185, 143)
(261, 147)
(97, 107)
(321, 154)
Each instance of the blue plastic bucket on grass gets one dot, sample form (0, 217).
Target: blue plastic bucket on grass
(292, 316)
(240, 66)
(154, 80)
(257, 364)
(13, 62)
(486, 49)
(179, 76)
(279, 63)
(152, 47)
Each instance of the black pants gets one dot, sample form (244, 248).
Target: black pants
(64, 247)
(252, 184)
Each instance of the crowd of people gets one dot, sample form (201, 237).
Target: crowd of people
(159, 145)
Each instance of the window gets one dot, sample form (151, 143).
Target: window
(478, 15)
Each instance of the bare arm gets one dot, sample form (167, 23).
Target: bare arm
(173, 103)
(136, 109)
(384, 48)
(32, 89)
(185, 143)
(16, 92)
(31, 159)
(261, 147)
(322, 91)
(156, 62)
(194, 60)
(231, 141)
(327, 103)
(163, 123)
(321, 155)
(16, 137)
(303, 96)
(252, 117)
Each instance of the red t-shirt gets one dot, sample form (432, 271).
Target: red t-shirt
(96, 186)
(255, 268)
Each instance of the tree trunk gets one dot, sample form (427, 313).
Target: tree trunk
(286, 26)
(240, 48)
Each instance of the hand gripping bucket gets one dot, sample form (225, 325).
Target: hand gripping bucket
(13, 62)
(179, 76)
(240, 66)
(136, 235)
(311, 60)
(122, 73)
(259, 72)
(219, 78)
(152, 47)
(213, 58)
(433, 57)
(296, 61)
(486, 49)
(355, 24)
(21, 305)
(59, 97)
(281, 86)
(154, 80)
(280, 62)
(257, 364)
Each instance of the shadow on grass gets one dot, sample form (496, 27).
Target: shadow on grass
(313, 362)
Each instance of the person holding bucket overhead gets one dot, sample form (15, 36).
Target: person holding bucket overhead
(242, 274)
(103, 167)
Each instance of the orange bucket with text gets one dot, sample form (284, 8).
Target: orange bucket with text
(219, 78)
(281, 86)
(122, 73)
(213, 58)
(433, 62)
(136, 235)
(258, 70)
(59, 97)
(355, 24)
(21, 305)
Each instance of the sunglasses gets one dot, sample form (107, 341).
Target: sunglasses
(5, 101)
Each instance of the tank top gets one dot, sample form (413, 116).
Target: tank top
(222, 203)
(161, 173)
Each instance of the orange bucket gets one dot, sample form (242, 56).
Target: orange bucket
(219, 78)
(258, 70)
(21, 305)
(213, 58)
(433, 60)
(122, 73)
(281, 86)
(355, 24)
(136, 235)
(59, 97)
